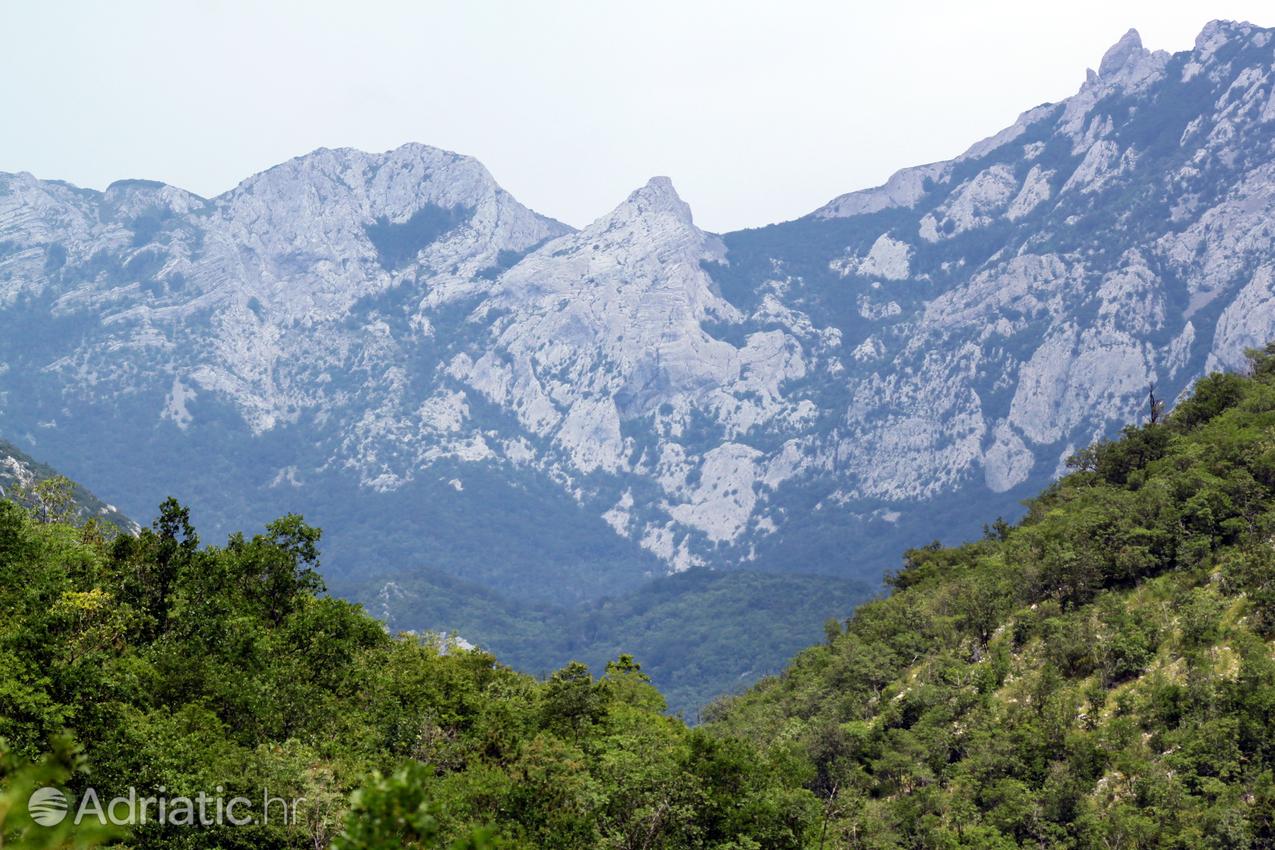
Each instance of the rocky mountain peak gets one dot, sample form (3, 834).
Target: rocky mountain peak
(604, 325)
(1128, 49)
(131, 198)
(649, 240)
(658, 197)
(1219, 32)
(1127, 66)
(395, 184)
(655, 210)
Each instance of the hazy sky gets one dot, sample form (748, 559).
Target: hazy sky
(759, 112)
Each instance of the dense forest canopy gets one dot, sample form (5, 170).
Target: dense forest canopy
(1098, 676)
(157, 663)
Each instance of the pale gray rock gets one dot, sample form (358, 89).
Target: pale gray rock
(951, 335)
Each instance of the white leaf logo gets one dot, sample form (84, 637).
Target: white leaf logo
(47, 806)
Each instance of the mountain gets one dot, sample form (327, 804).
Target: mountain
(999, 310)
(466, 394)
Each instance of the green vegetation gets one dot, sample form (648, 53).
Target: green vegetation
(699, 633)
(187, 668)
(1099, 676)
(53, 496)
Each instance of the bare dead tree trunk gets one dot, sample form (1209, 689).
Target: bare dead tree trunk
(1157, 405)
(827, 813)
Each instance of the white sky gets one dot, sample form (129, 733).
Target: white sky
(760, 112)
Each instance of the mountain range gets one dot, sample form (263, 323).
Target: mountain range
(492, 414)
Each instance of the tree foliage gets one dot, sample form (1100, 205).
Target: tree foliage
(183, 668)
(1099, 675)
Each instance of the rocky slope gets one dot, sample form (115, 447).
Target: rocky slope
(20, 479)
(395, 332)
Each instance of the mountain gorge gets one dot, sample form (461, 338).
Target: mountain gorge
(472, 398)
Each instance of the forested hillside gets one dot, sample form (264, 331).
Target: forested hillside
(1098, 676)
(700, 633)
(178, 668)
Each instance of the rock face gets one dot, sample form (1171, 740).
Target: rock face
(901, 364)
